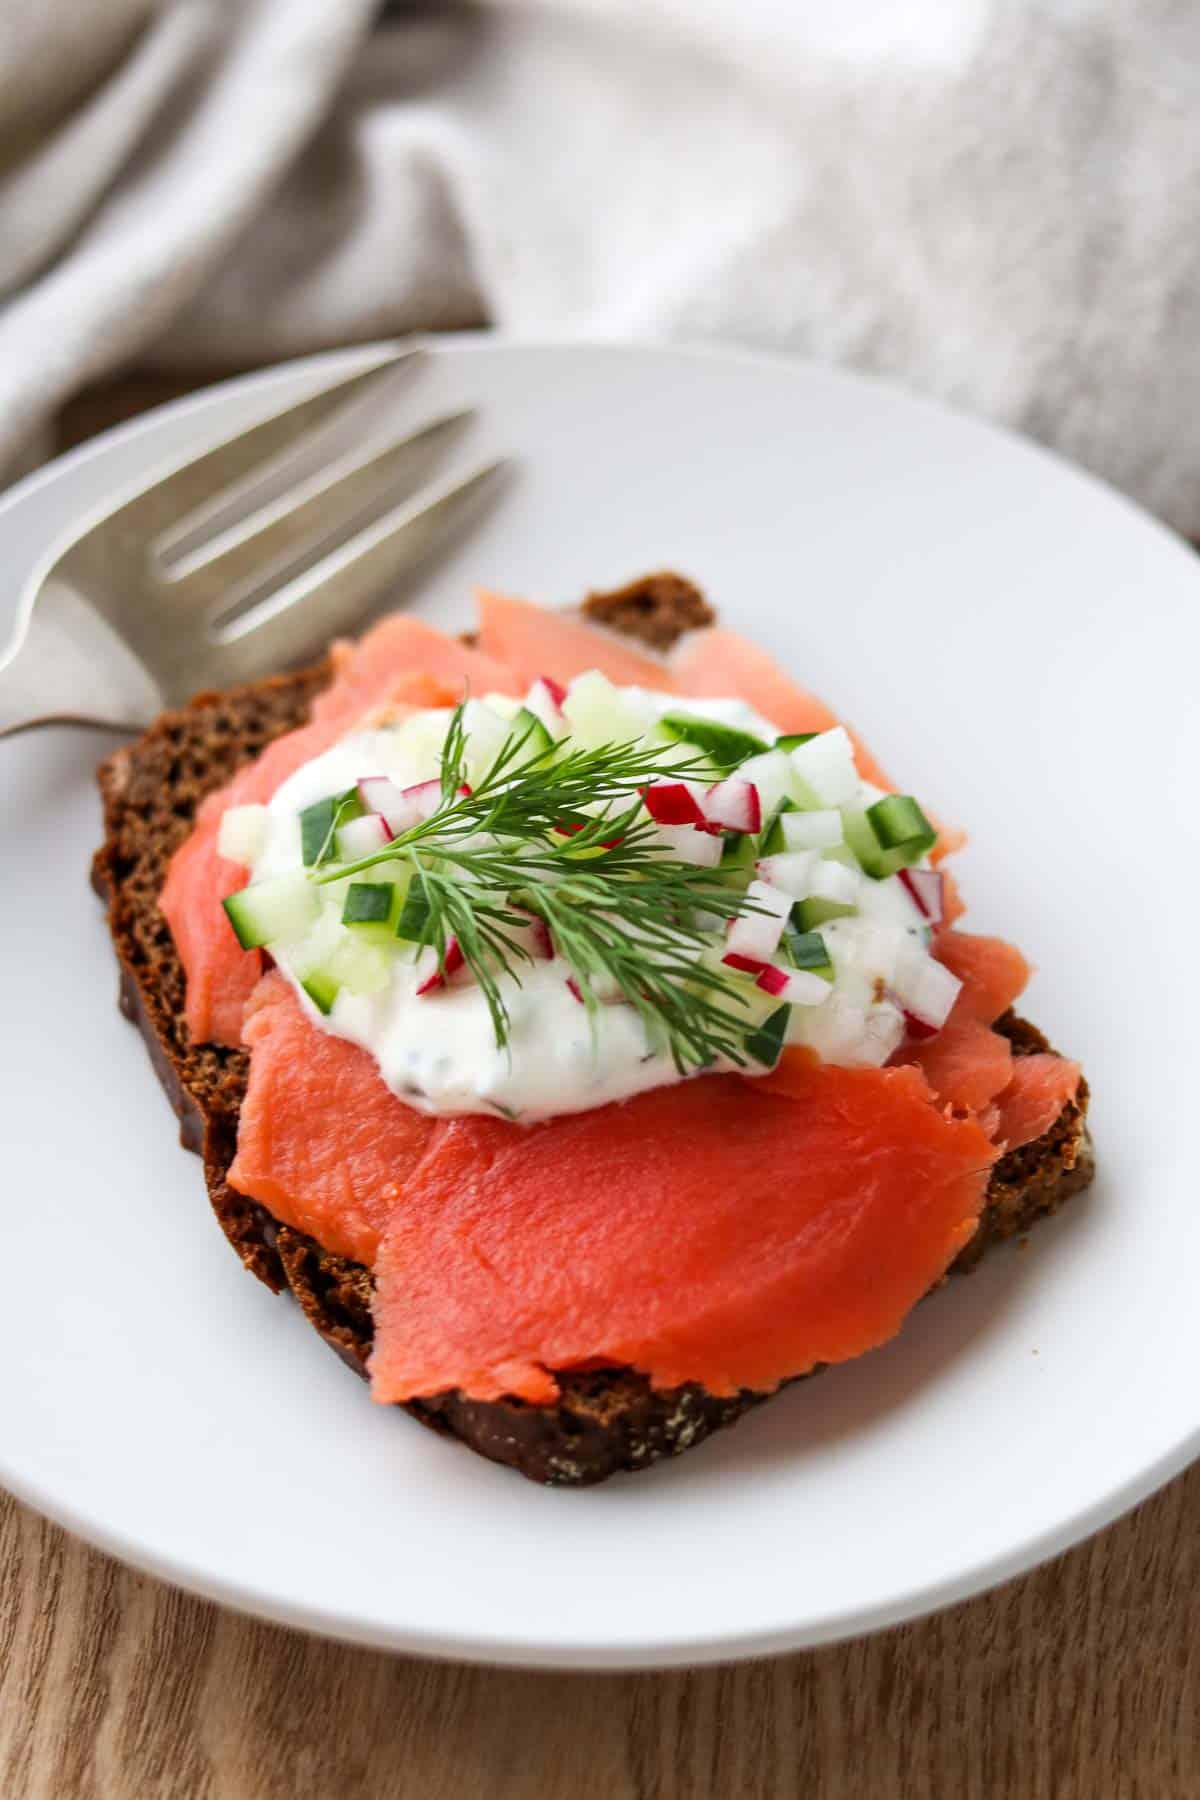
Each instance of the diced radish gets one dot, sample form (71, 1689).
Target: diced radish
(925, 988)
(757, 934)
(826, 767)
(798, 987)
(575, 989)
(746, 965)
(689, 845)
(362, 837)
(379, 795)
(791, 871)
(675, 802)
(916, 1028)
(734, 805)
(811, 830)
(772, 774)
(543, 943)
(424, 796)
(926, 889)
(805, 989)
(544, 700)
(430, 977)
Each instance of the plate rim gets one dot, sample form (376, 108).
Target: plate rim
(501, 1650)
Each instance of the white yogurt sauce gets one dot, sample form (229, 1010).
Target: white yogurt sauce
(438, 1051)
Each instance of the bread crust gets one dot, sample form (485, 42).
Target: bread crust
(605, 1420)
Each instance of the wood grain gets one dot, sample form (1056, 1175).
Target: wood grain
(1079, 1682)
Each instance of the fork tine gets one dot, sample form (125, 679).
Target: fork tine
(336, 594)
(308, 519)
(191, 485)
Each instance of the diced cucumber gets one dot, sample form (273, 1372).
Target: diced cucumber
(889, 835)
(322, 989)
(486, 734)
(825, 766)
(414, 913)
(272, 911)
(529, 731)
(901, 829)
(811, 830)
(772, 774)
(862, 840)
(598, 714)
(724, 745)
(371, 903)
(359, 966)
(766, 1044)
(243, 833)
(319, 823)
(809, 914)
(772, 841)
(738, 855)
(792, 740)
(807, 950)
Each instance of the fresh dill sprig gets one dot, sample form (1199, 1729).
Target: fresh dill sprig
(560, 835)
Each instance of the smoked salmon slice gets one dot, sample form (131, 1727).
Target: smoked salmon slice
(704, 1232)
(1041, 1086)
(402, 661)
(323, 1143)
(535, 640)
(968, 1064)
(715, 663)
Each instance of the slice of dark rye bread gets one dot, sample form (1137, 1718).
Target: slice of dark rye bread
(606, 1420)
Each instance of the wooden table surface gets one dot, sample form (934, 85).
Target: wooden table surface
(1079, 1682)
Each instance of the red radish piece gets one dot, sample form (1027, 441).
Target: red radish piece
(424, 797)
(748, 965)
(379, 795)
(575, 989)
(919, 1029)
(674, 802)
(431, 976)
(791, 871)
(773, 980)
(734, 805)
(757, 934)
(543, 943)
(555, 689)
(688, 844)
(361, 837)
(926, 890)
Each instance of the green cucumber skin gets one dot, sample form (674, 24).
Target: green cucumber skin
(807, 950)
(322, 990)
(766, 1044)
(537, 740)
(725, 744)
(792, 740)
(247, 934)
(369, 903)
(772, 839)
(899, 824)
(809, 914)
(414, 914)
(319, 822)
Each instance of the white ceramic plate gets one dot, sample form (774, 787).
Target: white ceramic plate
(1021, 646)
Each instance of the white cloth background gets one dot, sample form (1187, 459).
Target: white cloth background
(994, 201)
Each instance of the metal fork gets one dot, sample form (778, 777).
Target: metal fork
(236, 563)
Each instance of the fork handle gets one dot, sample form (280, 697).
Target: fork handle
(68, 666)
